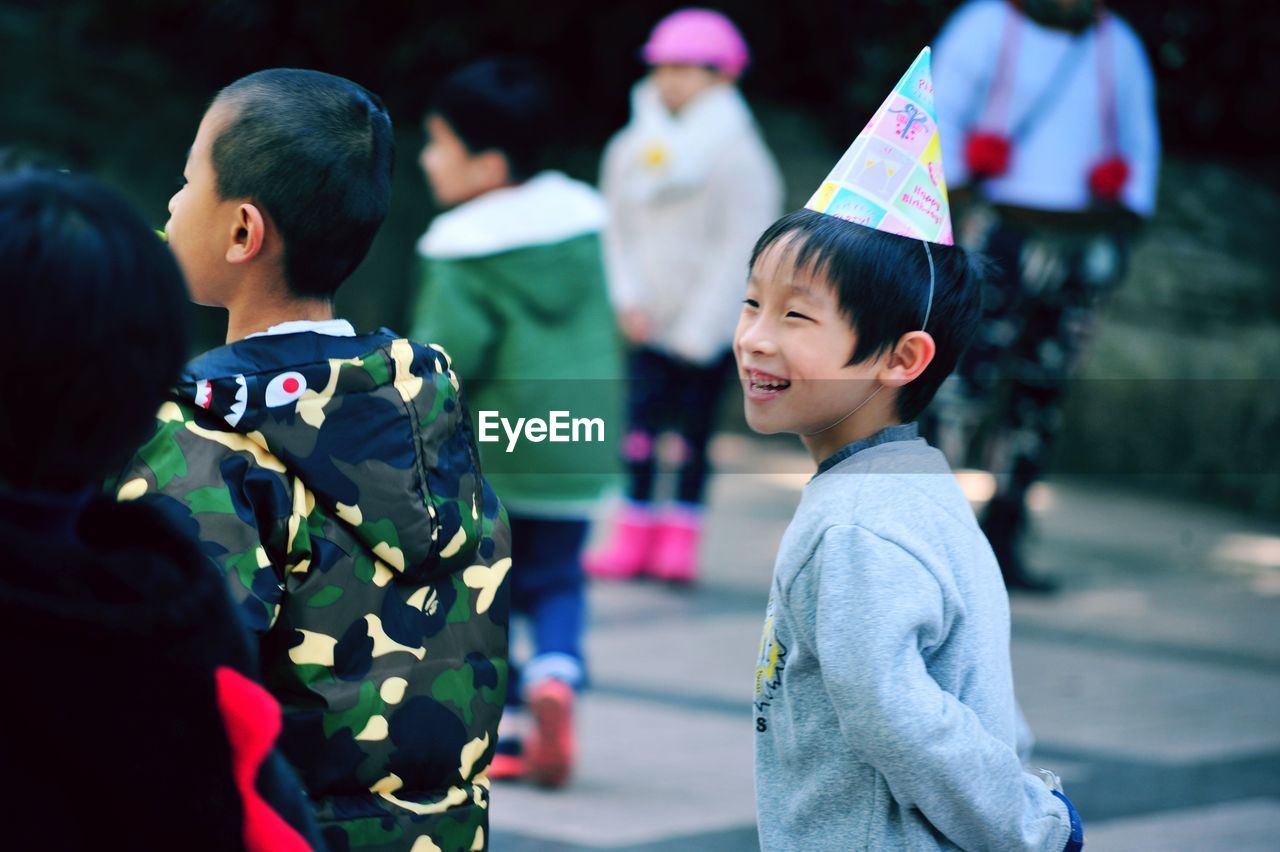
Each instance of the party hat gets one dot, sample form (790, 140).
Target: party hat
(891, 177)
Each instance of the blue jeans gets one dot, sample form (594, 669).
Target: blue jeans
(547, 588)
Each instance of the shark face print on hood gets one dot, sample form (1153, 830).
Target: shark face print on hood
(336, 482)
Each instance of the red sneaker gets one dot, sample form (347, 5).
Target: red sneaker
(506, 767)
(549, 748)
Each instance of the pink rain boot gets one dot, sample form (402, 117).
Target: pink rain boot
(675, 551)
(630, 545)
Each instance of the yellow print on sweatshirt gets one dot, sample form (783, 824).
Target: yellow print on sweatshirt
(770, 663)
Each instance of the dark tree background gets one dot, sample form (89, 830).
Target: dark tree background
(1216, 63)
(118, 89)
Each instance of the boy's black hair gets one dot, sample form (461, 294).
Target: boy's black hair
(98, 332)
(882, 286)
(500, 104)
(315, 153)
(19, 158)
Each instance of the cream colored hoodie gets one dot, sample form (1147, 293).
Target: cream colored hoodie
(688, 197)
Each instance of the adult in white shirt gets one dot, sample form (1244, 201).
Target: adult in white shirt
(1046, 112)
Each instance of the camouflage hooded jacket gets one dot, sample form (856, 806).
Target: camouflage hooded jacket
(336, 482)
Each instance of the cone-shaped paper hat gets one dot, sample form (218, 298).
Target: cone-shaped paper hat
(891, 177)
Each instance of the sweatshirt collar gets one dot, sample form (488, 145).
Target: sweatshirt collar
(333, 328)
(898, 432)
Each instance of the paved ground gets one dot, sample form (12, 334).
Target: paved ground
(1152, 679)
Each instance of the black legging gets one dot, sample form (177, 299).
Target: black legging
(668, 394)
(1039, 312)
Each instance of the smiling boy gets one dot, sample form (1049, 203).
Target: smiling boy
(884, 705)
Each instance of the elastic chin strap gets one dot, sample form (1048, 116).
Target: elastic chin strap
(928, 307)
(847, 416)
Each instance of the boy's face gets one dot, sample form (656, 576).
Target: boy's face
(201, 224)
(793, 347)
(454, 173)
(677, 85)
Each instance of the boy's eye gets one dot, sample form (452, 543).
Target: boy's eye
(799, 315)
(751, 303)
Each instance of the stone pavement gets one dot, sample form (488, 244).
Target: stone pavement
(1152, 679)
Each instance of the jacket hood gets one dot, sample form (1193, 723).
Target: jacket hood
(674, 155)
(127, 636)
(129, 576)
(369, 427)
(550, 213)
(548, 208)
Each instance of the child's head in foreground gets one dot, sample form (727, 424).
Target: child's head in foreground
(832, 324)
(99, 312)
(691, 50)
(488, 127)
(287, 181)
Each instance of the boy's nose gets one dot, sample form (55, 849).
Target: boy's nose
(753, 338)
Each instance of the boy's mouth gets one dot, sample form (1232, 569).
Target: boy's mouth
(760, 385)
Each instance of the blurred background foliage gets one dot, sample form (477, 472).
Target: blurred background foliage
(1182, 389)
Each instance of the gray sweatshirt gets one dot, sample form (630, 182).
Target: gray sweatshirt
(884, 708)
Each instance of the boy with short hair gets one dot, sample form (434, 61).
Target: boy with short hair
(334, 476)
(884, 708)
(513, 286)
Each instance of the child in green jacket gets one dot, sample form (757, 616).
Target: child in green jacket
(514, 289)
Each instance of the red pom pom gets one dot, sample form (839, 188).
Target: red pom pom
(987, 154)
(1108, 178)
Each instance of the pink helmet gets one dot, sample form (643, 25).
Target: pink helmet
(697, 37)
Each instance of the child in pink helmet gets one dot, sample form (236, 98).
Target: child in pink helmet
(690, 185)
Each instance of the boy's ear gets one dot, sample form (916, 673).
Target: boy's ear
(248, 234)
(909, 358)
